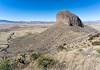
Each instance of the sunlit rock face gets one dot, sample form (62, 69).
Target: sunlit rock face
(68, 18)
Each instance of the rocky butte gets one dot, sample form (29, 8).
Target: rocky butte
(69, 18)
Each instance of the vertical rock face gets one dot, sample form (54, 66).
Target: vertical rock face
(68, 18)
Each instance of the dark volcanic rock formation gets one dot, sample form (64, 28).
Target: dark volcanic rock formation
(69, 18)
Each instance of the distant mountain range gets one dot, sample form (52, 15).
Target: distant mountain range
(41, 22)
(92, 22)
(8, 21)
(29, 22)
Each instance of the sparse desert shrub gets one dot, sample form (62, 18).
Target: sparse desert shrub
(6, 65)
(91, 37)
(35, 55)
(60, 48)
(80, 49)
(96, 43)
(98, 50)
(45, 62)
(64, 44)
(29, 33)
(21, 58)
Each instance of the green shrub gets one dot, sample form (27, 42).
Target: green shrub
(5, 65)
(45, 62)
(35, 55)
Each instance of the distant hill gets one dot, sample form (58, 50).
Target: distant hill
(29, 22)
(42, 22)
(92, 22)
(8, 21)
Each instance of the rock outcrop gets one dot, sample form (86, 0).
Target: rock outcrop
(69, 18)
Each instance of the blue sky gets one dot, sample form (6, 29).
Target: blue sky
(45, 10)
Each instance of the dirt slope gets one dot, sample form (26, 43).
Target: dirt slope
(49, 39)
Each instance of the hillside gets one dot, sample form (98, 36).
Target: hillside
(54, 36)
(67, 45)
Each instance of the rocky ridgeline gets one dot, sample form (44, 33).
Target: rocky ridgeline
(69, 31)
(5, 38)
